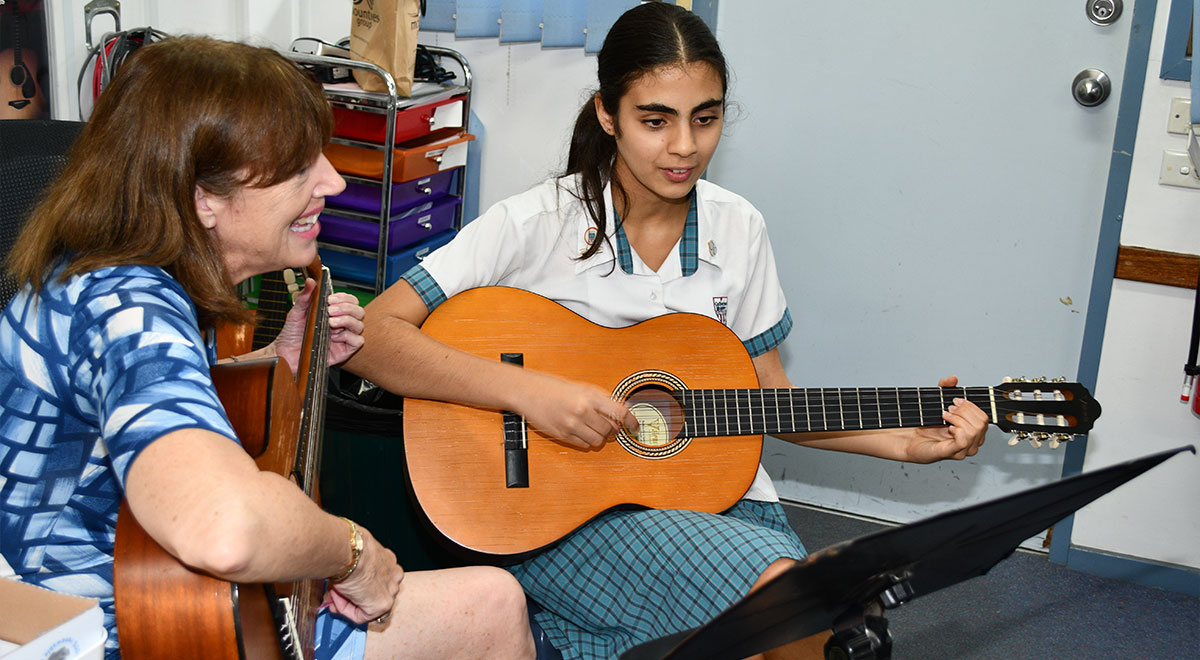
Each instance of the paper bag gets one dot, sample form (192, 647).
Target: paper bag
(384, 33)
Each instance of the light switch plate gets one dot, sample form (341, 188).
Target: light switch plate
(1177, 170)
(1181, 116)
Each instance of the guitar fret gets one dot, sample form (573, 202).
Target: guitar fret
(920, 409)
(841, 412)
(735, 420)
(753, 411)
(899, 411)
(752, 408)
(699, 427)
(711, 414)
(778, 421)
(759, 420)
(858, 406)
(864, 403)
(791, 403)
(737, 412)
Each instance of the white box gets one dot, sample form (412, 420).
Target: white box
(39, 624)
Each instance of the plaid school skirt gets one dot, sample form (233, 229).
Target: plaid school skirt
(632, 576)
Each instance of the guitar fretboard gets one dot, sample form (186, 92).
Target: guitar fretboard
(710, 413)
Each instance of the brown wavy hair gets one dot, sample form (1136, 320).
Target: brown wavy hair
(183, 113)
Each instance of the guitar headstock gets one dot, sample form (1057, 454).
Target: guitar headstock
(1040, 410)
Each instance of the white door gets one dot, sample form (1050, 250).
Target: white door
(933, 193)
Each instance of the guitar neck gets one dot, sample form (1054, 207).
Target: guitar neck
(724, 412)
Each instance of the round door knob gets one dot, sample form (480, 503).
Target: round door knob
(1091, 87)
(1104, 12)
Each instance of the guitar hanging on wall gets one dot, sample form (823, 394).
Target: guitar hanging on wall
(21, 96)
(494, 485)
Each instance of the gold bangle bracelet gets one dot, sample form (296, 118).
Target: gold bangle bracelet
(356, 548)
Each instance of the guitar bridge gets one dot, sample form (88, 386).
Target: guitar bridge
(285, 627)
(516, 442)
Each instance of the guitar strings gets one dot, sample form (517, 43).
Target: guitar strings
(827, 399)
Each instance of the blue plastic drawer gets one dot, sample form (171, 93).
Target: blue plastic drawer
(360, 268)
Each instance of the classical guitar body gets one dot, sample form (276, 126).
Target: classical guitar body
(456, 454)
(497, 486)
(165, 609)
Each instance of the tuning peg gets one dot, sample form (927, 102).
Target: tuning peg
(1059, 438)
(1006, 379)
(1060, 379)
(1014, 441)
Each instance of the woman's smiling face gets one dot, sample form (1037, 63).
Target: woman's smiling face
(265, 229)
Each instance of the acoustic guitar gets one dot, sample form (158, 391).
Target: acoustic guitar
(165, 609)
(496, 486)
(21, 96)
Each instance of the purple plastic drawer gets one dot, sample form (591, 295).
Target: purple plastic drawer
(413, 225)
(365, 197)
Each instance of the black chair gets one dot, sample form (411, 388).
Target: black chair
(32, 153)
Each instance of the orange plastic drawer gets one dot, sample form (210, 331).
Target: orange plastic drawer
(411, 123)
(408, 162)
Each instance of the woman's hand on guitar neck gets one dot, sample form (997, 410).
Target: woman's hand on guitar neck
(962, 438)
(370, 591)
(345, 322)
(577, 414)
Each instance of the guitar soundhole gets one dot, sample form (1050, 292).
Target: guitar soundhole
(660, 416)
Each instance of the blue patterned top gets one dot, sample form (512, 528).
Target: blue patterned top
(92, 371)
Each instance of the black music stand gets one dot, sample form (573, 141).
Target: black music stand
(841, 587)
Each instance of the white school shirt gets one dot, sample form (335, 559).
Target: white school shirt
(723, 268)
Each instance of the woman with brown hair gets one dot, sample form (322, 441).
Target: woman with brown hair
(200, 167)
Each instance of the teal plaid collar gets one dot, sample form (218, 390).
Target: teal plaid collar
(688, 258)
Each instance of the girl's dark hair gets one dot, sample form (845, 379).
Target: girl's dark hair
(182, 113)
(649, 36)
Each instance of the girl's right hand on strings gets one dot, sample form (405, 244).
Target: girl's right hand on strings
(580, 415)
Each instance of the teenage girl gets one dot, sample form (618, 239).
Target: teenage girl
(630, 231)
